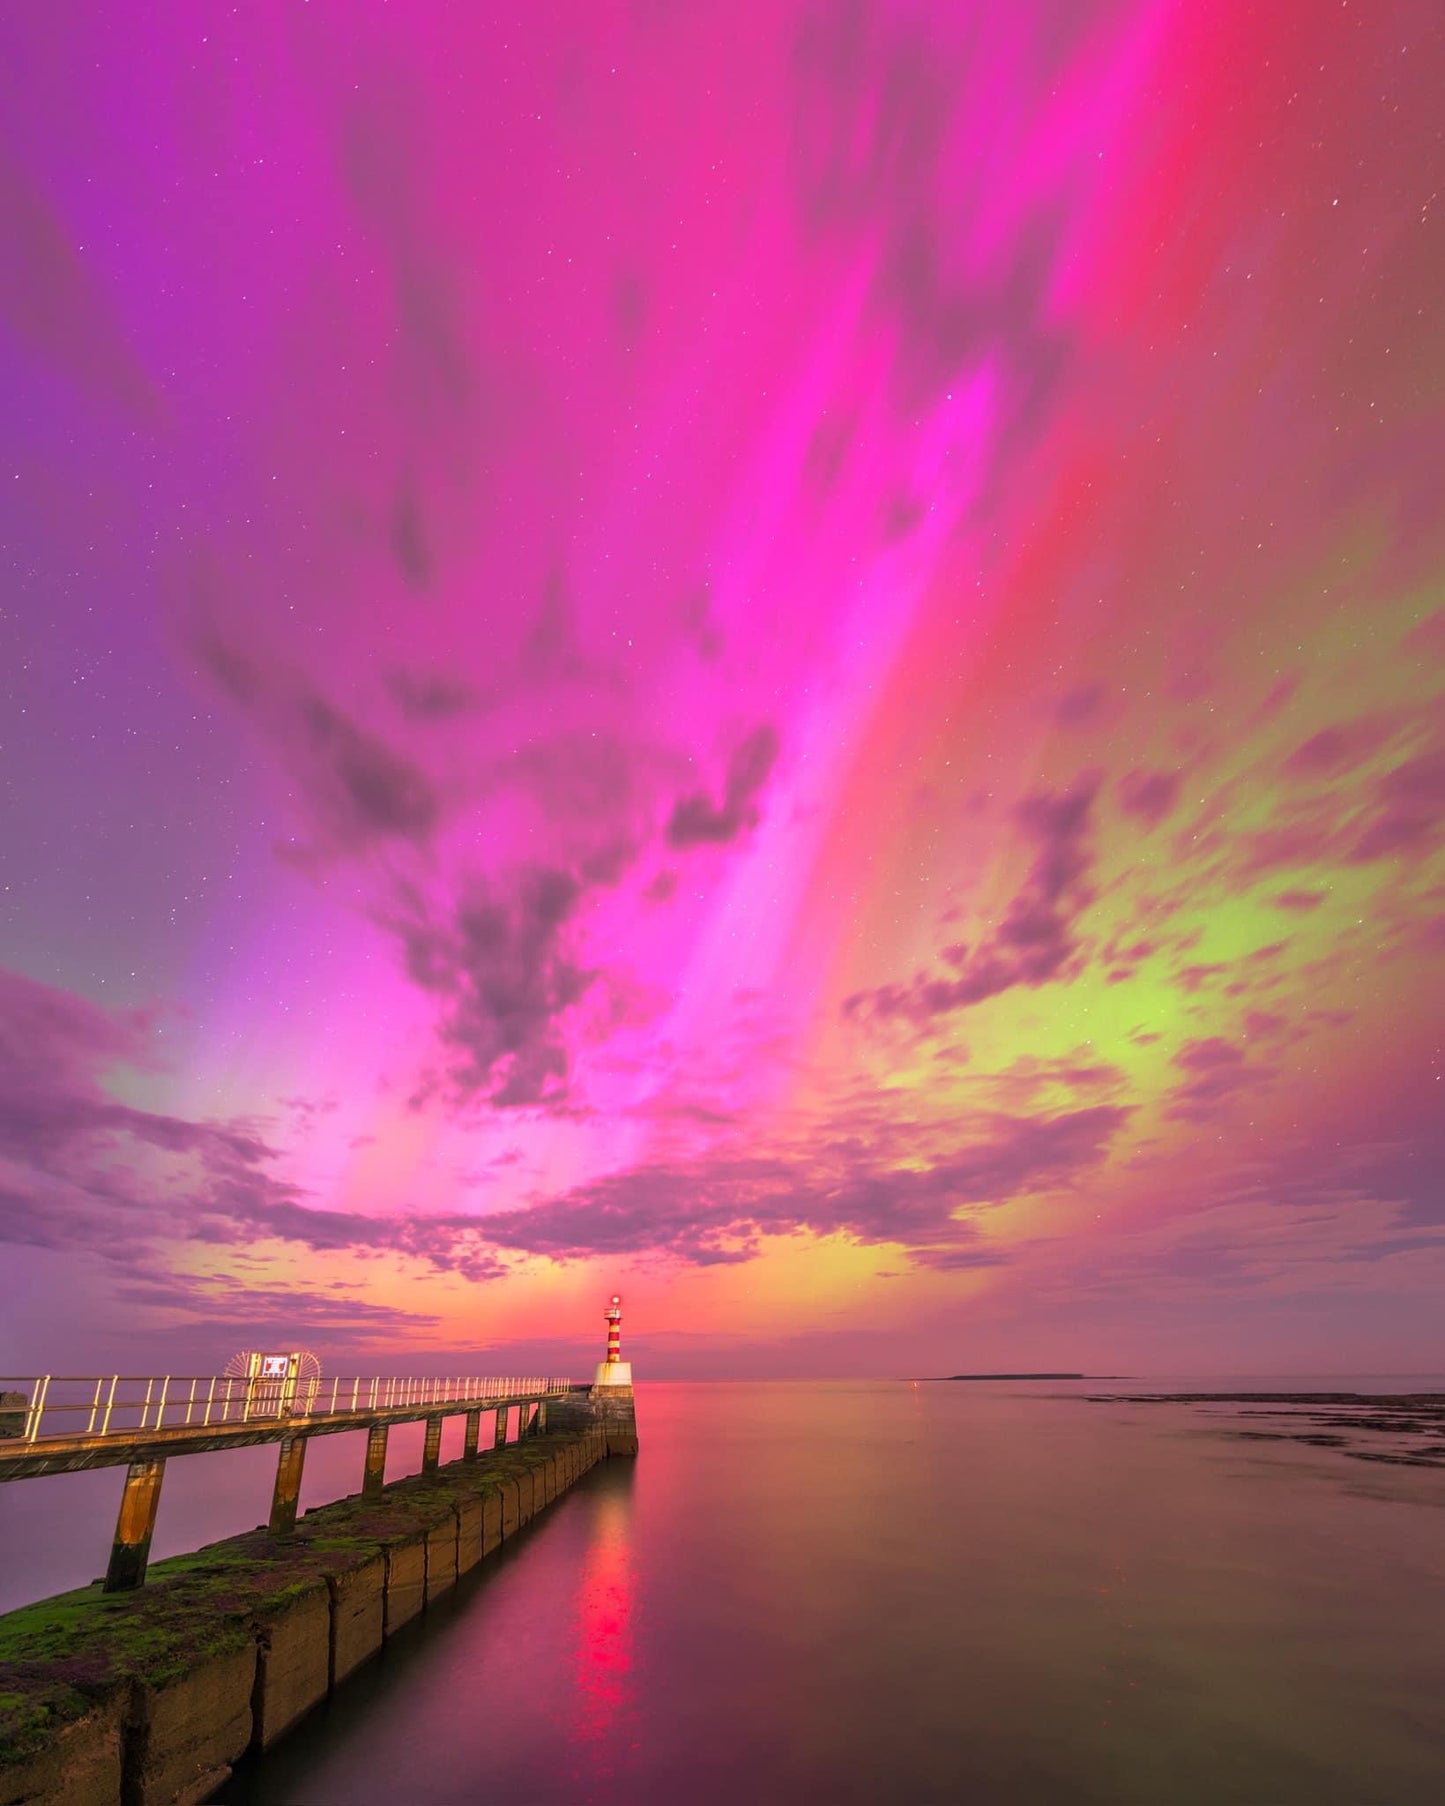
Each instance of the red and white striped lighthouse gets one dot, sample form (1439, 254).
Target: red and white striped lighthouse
(614, 1371)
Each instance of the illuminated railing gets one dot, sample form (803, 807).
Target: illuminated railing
(125, 1405)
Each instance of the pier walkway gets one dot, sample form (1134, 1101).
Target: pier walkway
(56, 1424)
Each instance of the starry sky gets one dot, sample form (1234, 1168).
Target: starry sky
(784, 657)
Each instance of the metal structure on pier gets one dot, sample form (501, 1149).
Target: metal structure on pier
(59, 1424)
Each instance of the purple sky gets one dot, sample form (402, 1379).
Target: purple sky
(786, 658)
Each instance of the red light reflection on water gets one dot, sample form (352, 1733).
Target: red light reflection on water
(601, 1723)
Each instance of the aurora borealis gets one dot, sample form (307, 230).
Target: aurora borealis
(784, 657)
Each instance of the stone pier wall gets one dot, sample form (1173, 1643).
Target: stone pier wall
(609, 1408)
(148, 1698)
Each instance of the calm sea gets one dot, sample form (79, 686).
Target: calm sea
(856, 1592)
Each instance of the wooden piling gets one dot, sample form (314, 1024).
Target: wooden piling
(375, 1473)
(473, 1435)
(289, 1464)
(135, 1526)
(432, 1452)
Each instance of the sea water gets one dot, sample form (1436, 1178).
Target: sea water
(942, 1592)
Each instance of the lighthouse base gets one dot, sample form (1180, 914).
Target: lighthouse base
(613, 1373)
(608, 1406)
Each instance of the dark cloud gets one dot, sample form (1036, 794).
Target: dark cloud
(501, 964)
(431, 695)
(1078, 707)
(1036, 938)
(699, 623)
(1399, 814)
(552, 648)
(494, 949)
(958, 1260)
(56, 1123)
(1212, 1055)
(1149, 794)
(256, 1311)
(828, 448)
(715, 1212)
(77, 1181)
(362, 787)
(1194, 977)
(696, 820)
(1339, 748)
(886, 109)
(1407, 1170)
(1291, 838)
(1214, 1070)
(83, 1171)
(385, 164)
(583, 779)
(1031, 1083)
(358, 791)
(437, 376)
(1409, 809)
(1298, 902)
(410, 542)
(50, 298)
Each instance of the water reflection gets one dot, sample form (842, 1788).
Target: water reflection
(860, 1594)
(604, 1711)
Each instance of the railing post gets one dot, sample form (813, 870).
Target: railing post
(499, 1435)
(135, 1526)
(288, 1485)
(37, 1408)
(374, 1477)
(473, 1435)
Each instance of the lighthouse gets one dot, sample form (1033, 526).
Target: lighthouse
(614, 1371)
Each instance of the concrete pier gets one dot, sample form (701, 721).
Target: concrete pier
(150, 1696)
(610, 1408)
(130, 1695)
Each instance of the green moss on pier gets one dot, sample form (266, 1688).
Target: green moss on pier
(63, 1657)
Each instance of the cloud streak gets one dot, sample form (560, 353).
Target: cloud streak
(1037, 936)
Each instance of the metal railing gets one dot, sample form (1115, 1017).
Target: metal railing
(118, 1404)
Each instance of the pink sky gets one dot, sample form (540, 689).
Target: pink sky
(784, 658)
